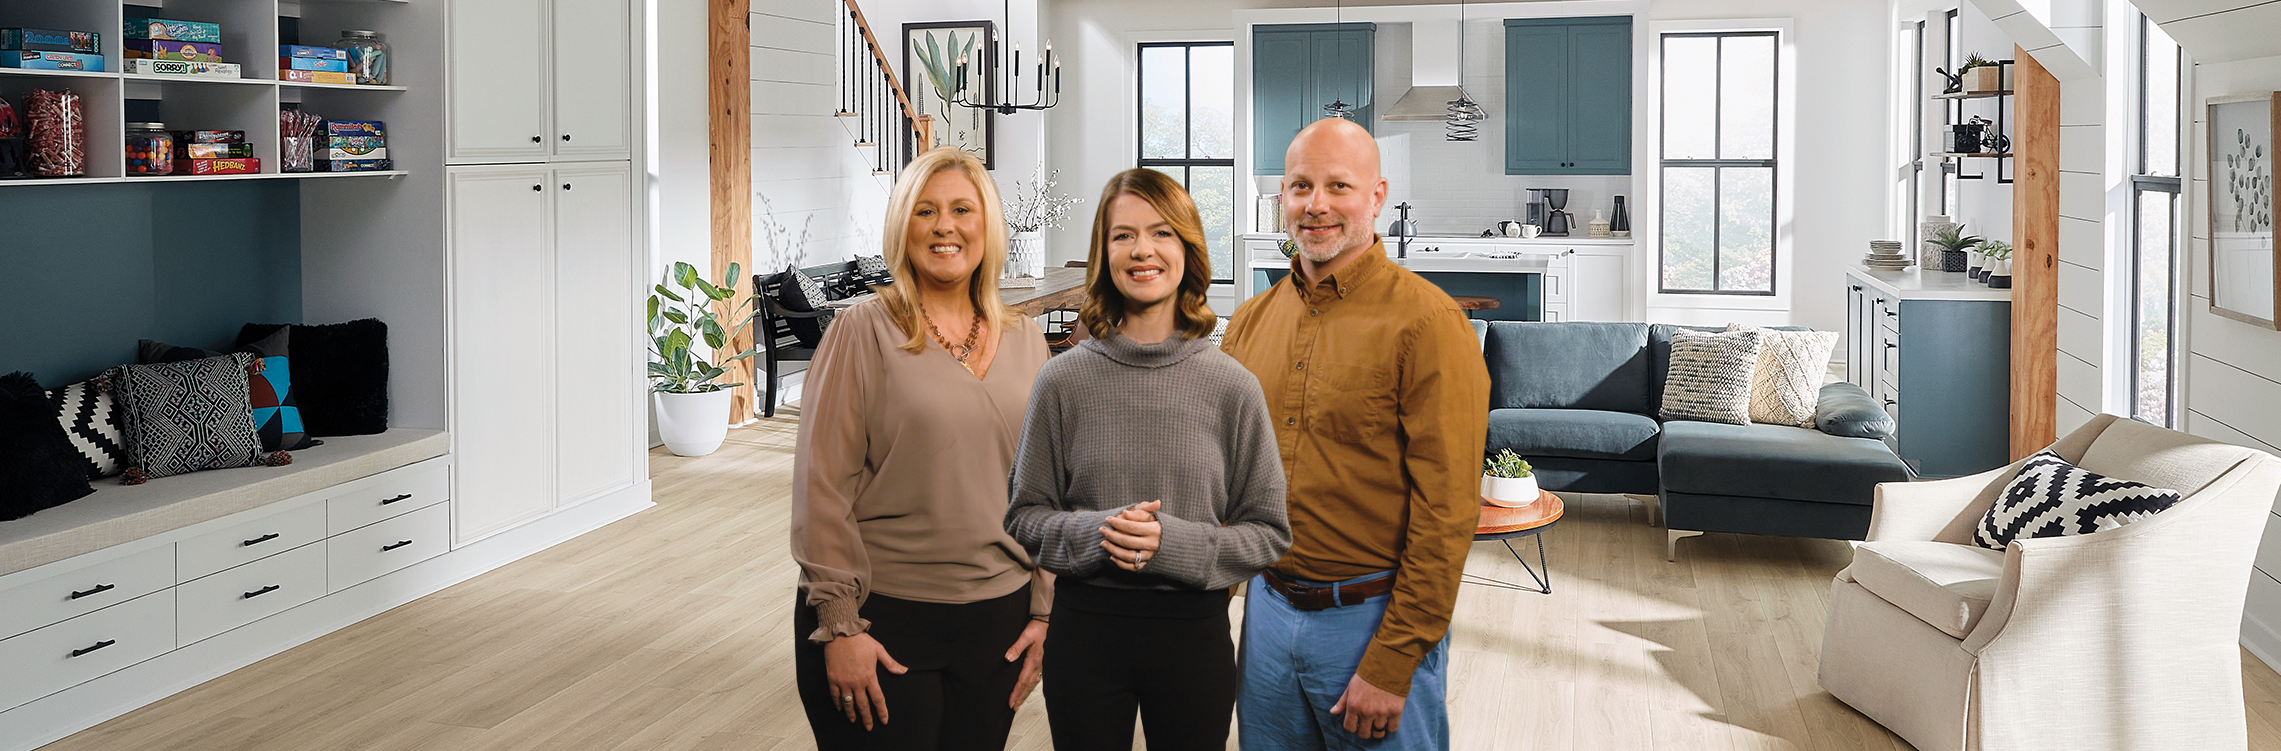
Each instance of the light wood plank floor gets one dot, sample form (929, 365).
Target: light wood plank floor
(671, 630)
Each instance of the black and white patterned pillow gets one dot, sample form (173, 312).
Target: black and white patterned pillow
(89, 412)
(870, 265)
(801, 293)
(1709, 378)
(2051, 498)
(188, 416)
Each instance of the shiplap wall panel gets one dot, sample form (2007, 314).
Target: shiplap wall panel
(805, 162)
(2080, 289)
(2248, 402)
(785, 32)
(2081, 145)
(2077, 377)
(2216, 430)
(2078, 333)
(2082, 242)
(2069, 416)
(2082, 194)
(2242, 345)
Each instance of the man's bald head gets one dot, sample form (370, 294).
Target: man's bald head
(1339, 139)
(1332, 192)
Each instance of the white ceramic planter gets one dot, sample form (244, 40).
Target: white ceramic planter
(1510, 492)
(692, 424)
(1025, 254)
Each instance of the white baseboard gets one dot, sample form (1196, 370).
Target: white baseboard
(2261, 640)
(86, 705)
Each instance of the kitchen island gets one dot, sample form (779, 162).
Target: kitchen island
(1533, 279)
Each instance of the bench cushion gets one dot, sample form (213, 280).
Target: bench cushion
(1574, 433)
(1945, 585)
(1571, 365)
(1774, 461)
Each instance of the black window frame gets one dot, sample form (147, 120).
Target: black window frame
(2142, 182)
(1187, 137)
(1774, 195)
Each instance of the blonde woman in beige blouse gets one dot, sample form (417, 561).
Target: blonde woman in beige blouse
(912, 594)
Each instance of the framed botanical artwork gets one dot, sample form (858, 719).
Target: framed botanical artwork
(931, 52)
(2244, 280)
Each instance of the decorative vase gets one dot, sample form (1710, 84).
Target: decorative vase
(2000, 277)
(1951, 260)
(1928, 254)
(1025, 255)
(1973, 263)
(1510, 492)
(692, 424)
(1599, 225)
(1621, 224)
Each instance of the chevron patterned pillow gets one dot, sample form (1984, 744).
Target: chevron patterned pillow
(2052, 498)
(89, 411)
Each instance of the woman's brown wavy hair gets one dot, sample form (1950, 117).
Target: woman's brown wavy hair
(1104, 304)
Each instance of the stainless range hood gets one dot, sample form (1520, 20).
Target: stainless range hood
(1434, 67)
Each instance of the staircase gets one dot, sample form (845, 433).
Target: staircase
(873, 105)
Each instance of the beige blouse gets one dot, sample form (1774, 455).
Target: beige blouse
(899, 483)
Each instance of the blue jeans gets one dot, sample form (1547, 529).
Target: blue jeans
(1296, 664)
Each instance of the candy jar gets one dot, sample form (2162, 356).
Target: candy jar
(368, 56)
(150, 149)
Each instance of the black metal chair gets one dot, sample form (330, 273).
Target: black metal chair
(773, 327)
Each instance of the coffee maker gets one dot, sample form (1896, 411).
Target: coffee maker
(1544, 210)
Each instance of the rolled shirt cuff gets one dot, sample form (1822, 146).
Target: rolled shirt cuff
(837, 618)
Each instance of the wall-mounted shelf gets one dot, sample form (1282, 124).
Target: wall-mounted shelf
(1949, 155)
(1973, 94)
(1952, 105)
(192, 178)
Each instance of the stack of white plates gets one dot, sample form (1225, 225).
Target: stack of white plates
(1885, 254)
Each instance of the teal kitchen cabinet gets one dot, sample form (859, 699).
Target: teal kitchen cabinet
(1568, 96)
(1295, 70)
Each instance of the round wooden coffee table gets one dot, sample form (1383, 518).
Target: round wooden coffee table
(1470, 303)
(1503, 525)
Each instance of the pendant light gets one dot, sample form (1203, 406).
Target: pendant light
(1047, 95)
(1463, 111)
(1338, 107)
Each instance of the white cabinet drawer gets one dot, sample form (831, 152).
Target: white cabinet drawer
(252, 541)
(90, 646)
(56, 598)
(362, 555)
(388, 495)
(249, 593)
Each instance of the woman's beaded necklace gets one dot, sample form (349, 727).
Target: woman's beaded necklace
(959, 352)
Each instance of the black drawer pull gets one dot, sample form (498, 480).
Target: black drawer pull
(1890, 345)
(99, 589)
(262, 591)
(98, 645)
(404, 497)
(261, 539)
(399, 544)
(1892, 314)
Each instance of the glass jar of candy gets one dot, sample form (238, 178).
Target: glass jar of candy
(150, 149)
(368, 56)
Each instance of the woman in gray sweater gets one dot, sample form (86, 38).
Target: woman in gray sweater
(1148, 479)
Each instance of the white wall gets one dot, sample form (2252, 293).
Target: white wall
(679, 183)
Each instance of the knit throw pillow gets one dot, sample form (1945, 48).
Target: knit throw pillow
(2052, 498)
(1786, 383)
(1710, 376)
(188, 416)
(89, 413)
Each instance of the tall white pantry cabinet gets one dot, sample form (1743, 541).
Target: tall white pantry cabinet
(544, 224)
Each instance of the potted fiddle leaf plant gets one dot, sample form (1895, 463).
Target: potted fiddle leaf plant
(692, 403)
(1953, 245)
(1981, 74)
(2000, 263)
(1507, 480)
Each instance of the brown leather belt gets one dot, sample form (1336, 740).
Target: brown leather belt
(1306, 597)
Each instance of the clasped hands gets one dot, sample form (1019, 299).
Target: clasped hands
(1133, 536)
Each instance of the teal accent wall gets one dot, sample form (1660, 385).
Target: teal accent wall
(85, 270)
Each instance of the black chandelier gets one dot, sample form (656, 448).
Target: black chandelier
(1047, 94)
(1463, 111)
(1338, 107)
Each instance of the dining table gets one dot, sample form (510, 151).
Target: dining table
(1060, 289)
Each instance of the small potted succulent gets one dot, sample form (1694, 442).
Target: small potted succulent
(1981, 74)
(1507, 480)
(2000, 260)
(1953, 246)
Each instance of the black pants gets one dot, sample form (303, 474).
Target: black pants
(954, 696)
(1179, 672)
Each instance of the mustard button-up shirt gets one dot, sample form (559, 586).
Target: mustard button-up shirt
(1380, 401)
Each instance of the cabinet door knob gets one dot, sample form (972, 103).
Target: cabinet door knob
(536, 139)
(566, 186)
(566, 136)
(1890, 345)
(538, 187)
(1891, 314)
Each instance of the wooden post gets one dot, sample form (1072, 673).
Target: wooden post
(2035, 257)
(729, 97)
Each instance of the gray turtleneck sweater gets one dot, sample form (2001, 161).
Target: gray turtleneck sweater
(1113, 423)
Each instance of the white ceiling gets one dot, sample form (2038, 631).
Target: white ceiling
(2216, 31)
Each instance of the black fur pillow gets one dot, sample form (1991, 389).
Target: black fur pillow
(340, 374)
(38, 467)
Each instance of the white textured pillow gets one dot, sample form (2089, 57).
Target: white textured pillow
(1786, 385)
(1709, 378)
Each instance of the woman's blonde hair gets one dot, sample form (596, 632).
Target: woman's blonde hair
(901, 298)
(1104, 303)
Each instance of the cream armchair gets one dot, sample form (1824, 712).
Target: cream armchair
(2124, 639)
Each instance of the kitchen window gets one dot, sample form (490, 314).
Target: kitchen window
(1718, 136)
(1187, 130)
(2155, 228)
